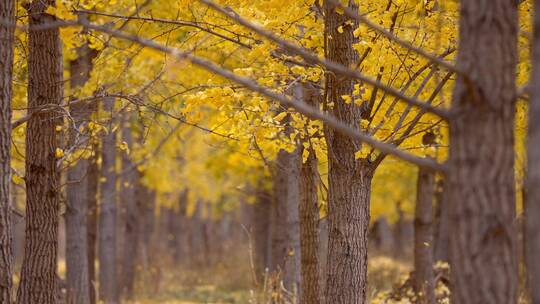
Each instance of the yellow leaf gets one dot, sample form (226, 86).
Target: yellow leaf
(124, 147)
(280, 116)
(59, 153)
(305, 155)
(17, 180)
(363, 153)
(228, 91)
(357, 32)
(364, 123)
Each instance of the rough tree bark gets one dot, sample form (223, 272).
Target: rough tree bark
(349, 178)
(18, 224)
(532, 186)
(309, 217)
(7, 13)
(424, 281)
(45, 87)
(323, 255)
(108, 291)
(309, 231)
(77, 278)
(130, 181)
(483, 251)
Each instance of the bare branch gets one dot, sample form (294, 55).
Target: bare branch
(166, 21)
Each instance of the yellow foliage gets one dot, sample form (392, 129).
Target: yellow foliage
(238, 133)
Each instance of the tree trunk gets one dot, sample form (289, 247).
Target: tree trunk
(178, 221)
(108, 291)
(278, 220)
(532, 186)
(197, 244)
(92, 222)
(309, 231)
(7, 13)
(92, 203)
(292, 268)
(261, 231)
(381, 236)
(130, 181)
(323, 255)
(309, 214)
(147, 202)
(18, 224)
(483, 251)
(349, 178)
(442, 234)
(424, 281)
(170, 227)
(403, 234)
(285, 226)
(77, 278)
(45, 86)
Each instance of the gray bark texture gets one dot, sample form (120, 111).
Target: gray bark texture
(483, 251)
(349, 178)
(309, 215)
(38, 282)
(309, 231)
(7, 13)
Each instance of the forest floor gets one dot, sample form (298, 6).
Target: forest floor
(194, 287)
(216, 279)
(230, 280)
(233, 283)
